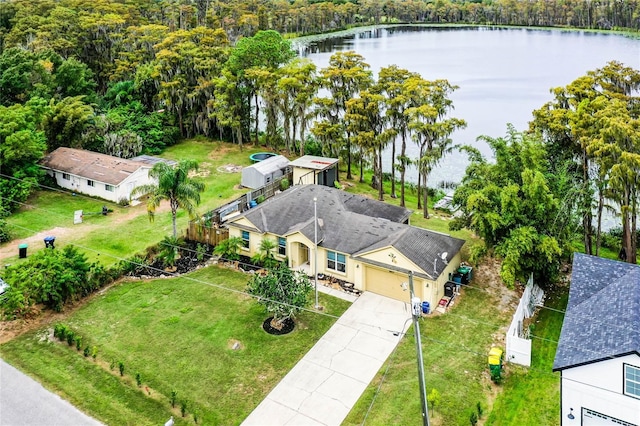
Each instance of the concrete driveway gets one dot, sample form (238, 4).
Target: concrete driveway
(325, 384)
(23, 401)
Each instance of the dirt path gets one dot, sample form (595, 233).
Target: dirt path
(36, 241)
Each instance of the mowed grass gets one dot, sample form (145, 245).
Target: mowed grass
(532, 396)
(179, 335)
(455, 347)
(127, 230)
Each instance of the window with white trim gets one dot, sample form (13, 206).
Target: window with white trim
(336, 261)
(90, 183)
(245, 239)
(282, 246)
(66, 176)
(108, 187)
(632, 380)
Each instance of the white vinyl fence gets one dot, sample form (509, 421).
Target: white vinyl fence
(518, 343)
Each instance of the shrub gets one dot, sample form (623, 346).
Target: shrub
(138, 379)
(195, 416)
(479, 408)
(284, 184)
(473, 419)
(71, 337)
(201, 251)
(60, 331)
(169, 250)
(260, 199)
(121, 368)
(78, 343)
(87, 351)
(94, 352)
(123, 202)
(174, 395)
(183, 408)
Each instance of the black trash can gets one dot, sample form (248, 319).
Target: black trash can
(48, 242)
(22, 251)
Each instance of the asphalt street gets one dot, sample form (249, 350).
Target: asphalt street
(23, 401)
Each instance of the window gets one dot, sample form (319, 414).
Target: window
(336, 261)
(66, 176)
(108, 187)
(632, 380)
(245, 239)
(282, 246)
(90, 183)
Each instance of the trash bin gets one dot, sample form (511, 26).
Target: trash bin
(426, 307)
(22, 251)
(49, 241)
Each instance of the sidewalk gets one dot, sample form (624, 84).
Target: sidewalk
(325, 384)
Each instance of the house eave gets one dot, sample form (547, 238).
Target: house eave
(594, 361)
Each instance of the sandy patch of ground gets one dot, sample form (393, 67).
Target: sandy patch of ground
(230, 168)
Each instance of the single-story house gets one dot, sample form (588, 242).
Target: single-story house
(359, 240)
(598, 353)
(310, 169)
(95, 174)
(264, 172)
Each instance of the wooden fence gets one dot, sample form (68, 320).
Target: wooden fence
(209, 228)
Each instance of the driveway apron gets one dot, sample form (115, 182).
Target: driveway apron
(325, 384)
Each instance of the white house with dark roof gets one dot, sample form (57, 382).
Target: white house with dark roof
(95, 174)
(598, 353)
(360, 240)
(311, 169)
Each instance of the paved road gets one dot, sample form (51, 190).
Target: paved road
(23, 401)
(325, 384)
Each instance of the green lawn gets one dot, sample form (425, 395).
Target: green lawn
(178, 334)
(455, 347)
(532, 396)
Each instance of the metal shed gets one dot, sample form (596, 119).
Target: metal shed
(264, 172)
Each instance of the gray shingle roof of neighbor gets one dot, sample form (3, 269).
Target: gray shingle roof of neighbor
(351, 224)
(602, 319)
(91, 165)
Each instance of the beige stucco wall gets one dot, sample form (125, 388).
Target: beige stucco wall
(433, 293)
(307, 176)
(391, 256)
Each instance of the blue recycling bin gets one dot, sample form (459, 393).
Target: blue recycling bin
(426, 307)
(49, 242)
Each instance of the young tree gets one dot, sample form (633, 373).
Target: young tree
(282, 292)
(174, 185)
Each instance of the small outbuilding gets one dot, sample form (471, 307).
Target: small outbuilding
(310, 169)
(264, 172)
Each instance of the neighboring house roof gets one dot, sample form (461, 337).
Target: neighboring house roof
(602, 318)
(150, 160)
(351, 224)
(314, 162)
(91, 165)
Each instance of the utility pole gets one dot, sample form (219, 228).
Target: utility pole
(315, 249)
(415, 312)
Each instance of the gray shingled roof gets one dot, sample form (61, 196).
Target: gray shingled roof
(602, 319)
(351, 224)
(91, 165)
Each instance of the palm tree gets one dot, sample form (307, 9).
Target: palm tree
(175, 185)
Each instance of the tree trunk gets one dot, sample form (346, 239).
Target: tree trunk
(361, 165)
(403, 170)
(599, 229)
(380, 183)
(587, 216)
(425, 213)
(257, 118)
(349, 157)
(393, 169)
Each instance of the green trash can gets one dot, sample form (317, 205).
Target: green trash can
(22, 251)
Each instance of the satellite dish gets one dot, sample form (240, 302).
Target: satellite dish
(444, 255)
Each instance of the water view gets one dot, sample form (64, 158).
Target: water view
(503, 74)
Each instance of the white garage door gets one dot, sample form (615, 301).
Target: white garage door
(593, 418)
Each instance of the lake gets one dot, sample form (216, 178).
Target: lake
(503, 73)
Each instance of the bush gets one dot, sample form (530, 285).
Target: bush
(121, 368)
(138, 379)
(94, 352)
(78, 343)
(284, 184)
(473, 419)
(124, 202)
(183, 408)
(87, 351)
(71, 337)
(174, 395)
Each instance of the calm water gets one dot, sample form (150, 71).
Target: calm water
(503, 74)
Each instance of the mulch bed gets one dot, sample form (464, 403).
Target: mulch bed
(287, 327)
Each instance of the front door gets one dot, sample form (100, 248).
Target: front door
(304, 254)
